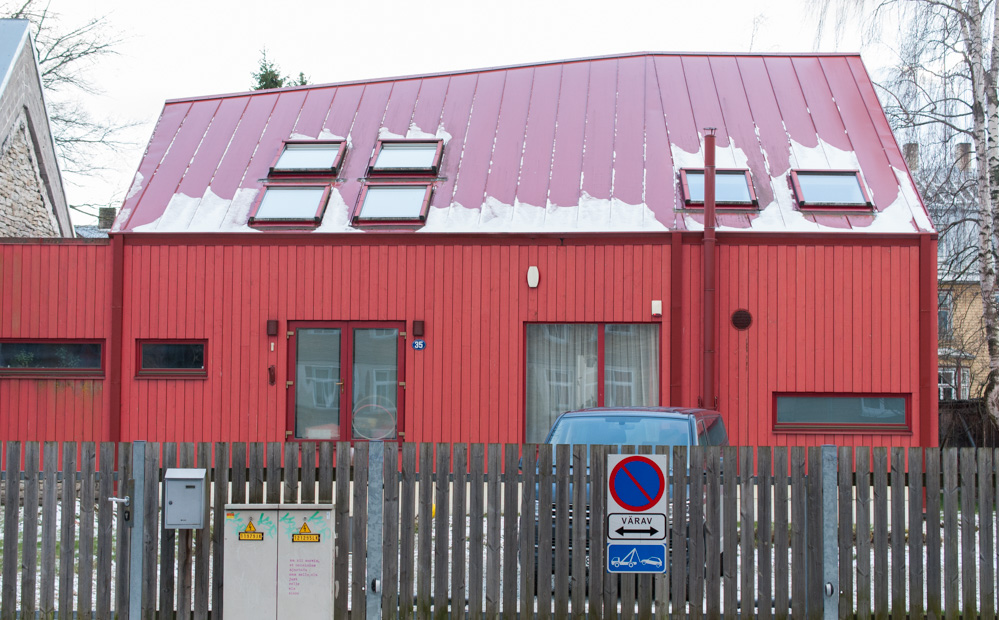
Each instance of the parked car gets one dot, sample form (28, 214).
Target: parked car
(635, 426)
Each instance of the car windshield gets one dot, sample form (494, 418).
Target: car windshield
(633, 430)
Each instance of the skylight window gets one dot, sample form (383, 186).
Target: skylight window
(829, 188)
(394, 203)
(406, 157)
(309, 158)
(299, 204)
(733, 188)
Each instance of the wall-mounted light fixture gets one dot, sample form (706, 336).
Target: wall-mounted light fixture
(657, 308)
(418, 327)
(533, 276)
(272, 327)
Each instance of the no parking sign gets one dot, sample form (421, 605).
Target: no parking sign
(637, 503)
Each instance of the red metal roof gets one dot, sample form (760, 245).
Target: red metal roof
(581, 145)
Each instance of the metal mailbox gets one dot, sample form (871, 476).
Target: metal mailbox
(278, 561)
(185, 499)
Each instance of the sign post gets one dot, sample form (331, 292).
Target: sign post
(637, 504)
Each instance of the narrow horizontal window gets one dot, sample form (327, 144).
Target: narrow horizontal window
(309, 158)
(406, 157)
(819, 413)
(394, 203)
(171, 358)
(732, 188)
(835, 188)
(48, 357)
(285, 204)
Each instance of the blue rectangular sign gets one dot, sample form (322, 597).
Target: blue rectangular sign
(636, 558)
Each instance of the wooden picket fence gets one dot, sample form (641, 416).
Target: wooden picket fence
(467, 528)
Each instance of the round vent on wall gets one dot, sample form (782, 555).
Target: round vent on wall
(742, 319)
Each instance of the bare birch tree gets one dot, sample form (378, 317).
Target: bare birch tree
(944, 86)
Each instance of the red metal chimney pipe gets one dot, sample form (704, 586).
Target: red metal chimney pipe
(709, 399)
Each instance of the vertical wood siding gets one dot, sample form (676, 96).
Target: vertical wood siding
(55, 290)
(467, 385)
(827, 317)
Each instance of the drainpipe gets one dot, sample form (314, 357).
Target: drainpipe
(709, 399)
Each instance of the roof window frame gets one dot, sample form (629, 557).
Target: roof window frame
(753, 203)
(269, 223)
(804, 205)
(406, 172)
(274, 172)
(357, 220)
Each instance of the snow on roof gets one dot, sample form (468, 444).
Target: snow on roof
(581, 145)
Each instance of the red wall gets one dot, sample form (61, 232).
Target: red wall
(840, 314)
(55, 290)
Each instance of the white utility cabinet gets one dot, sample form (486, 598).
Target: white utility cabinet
(278, 561)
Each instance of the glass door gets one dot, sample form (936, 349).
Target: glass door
(345, 381)
(318, 383)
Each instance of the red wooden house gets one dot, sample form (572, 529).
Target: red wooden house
(460, 257)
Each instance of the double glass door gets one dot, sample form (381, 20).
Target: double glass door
(345, 381)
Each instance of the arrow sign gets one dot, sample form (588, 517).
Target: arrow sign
(622, 531)
(646, 526)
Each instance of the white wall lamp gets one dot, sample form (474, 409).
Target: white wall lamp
(657, 308)
(533, 277)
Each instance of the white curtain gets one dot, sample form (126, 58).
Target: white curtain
(561, 374)
(631, 365)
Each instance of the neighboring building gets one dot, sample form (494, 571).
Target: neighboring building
(463, 256)
(32, 202)
(945, 173)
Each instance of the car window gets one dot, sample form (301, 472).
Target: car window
(711, 431)
(621, 430)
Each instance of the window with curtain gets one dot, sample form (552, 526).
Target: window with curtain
(575, 366)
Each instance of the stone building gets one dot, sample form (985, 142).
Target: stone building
(32, 200)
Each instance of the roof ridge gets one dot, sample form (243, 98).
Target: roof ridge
(541, 63)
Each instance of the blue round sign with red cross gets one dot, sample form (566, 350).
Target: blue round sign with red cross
(637, 483)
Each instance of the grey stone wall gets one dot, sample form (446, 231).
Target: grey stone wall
(23, 208)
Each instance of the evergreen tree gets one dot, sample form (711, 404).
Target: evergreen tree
(268, 75)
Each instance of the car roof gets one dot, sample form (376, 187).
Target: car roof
(665, 412)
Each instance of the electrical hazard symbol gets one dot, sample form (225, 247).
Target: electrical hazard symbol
(305, 535)
(251, 533)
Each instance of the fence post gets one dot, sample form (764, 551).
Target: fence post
(137, 531)
(373, 596)
(830, 535)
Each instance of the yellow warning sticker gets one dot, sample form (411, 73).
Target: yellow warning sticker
(251, 533)
(305, 535)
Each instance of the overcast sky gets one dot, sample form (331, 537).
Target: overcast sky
(183, 48)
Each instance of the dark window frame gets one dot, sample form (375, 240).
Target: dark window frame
(753, 203)
(46, 373)
(267, 222)
(843, 429)
(170, 373)
(275, 172)
(805, 205)
(601, 360)
(347, 367)
(358, 220)
(431, 170)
